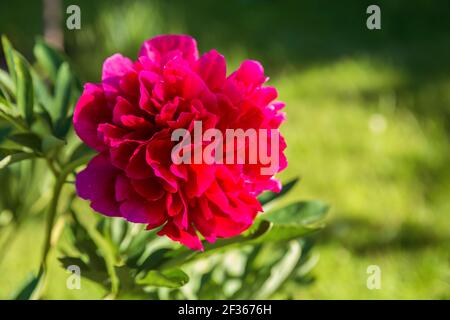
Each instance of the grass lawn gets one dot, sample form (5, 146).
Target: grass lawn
(367, 131)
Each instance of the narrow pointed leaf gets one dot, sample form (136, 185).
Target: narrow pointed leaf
(269, 196)
(173, 278)
(293, 221)
(29, 140)
(26, 292)
(63, 87)
(7, 84)
(48, 58)
(298, 213)
(9, 56)
(25, 90)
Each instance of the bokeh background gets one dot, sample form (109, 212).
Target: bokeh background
(368, 123)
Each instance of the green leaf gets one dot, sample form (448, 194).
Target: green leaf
(138, 245)
(4, 132)
(154, 259)
(63, 126)
(70, 261)
(285, 233)
(118, 229)
(51, 143)
(6, 107)
(48, 58)
(41, 90)
(7, 152)
(298, 213)
(9, 113)
(63, 88)
(95, 275)
(172, 278)
(269, 196)
(7, 84)
(80, 151)
(107, 251)
(10, 156)
(29, 140)
(44, 117)
(25, 90)
(28, 288)
(293, 221)
(9, 56)
(280, 272)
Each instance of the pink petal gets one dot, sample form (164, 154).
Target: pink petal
(114, 68)
(212, 69)
(187, 237)
(149, 188)
(158, 48)
(138, 167)
(120, 155)
(90, 111)
(96, 183)
(139, 210)
(250, 72)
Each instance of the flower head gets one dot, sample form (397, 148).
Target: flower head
(129, 118)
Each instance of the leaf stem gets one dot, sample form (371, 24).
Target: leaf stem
(57, 190)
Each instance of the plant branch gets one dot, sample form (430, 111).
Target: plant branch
(57, 190)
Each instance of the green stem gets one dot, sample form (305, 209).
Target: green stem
(57, 190)
(52, 167)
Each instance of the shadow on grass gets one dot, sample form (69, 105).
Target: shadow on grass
(364, 237)
(293, 34)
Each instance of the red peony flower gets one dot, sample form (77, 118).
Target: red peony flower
(129, 119)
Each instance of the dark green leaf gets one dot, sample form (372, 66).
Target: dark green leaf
(80, 151)
(63, 126)
(51, 144)
(4, 132)
(10, 156)
(63, 88)
(28, 288)
(29, 140)
(269, 196)
(44, 116)
(7, 152)
(25, 90)
(172, 278)
(98, 276)
(154, 259)
(137, 245)
(70, 261)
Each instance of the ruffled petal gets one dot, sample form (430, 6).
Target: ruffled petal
(159, 48)
(91, 111)
(114, 68)
(187, 237)
(212, 69)
(97, 184)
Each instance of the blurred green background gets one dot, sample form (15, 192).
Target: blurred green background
(368, 124)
